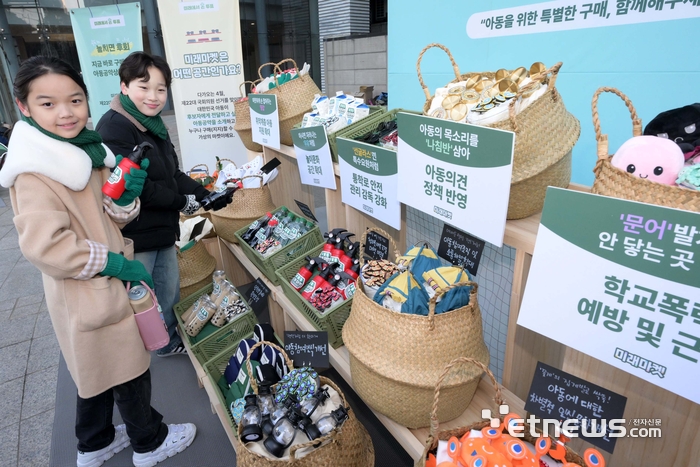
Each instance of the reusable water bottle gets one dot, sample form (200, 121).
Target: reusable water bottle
(114, 186)
(149, 316)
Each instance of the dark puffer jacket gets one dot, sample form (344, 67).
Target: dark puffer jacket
(163, 193)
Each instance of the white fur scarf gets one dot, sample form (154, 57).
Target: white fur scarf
(31, 151)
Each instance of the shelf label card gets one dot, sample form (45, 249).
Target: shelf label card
(456, 172)
(264, 119)
(307, 348)
(460, 248)
(314, 157)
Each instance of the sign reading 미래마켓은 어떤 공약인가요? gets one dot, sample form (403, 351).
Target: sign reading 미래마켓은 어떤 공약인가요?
(368, 180)
(314, 157)
(626, 277)
(104, 37)
(205, 56)
(264, 119)
(457, 173)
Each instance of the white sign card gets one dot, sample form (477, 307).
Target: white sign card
(314, 157)
(264, 119)
(457, 173)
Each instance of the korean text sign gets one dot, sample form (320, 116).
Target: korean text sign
(264, 119)
(104, 37)
(368, 180)
(456, 172)
(626, 277)
(314, 157)
(204, 53)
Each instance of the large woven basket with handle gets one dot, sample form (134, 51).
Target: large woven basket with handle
(611, 181)
(436, 435)
(196, 266)
(248, 205)
(545, 133)
(346, 446)
(294, 99)
(243, 126)
(396, 358)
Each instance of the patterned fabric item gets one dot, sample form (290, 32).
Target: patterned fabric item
(153, 124)
(96, 262)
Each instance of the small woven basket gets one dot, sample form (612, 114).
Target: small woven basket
(533, 154)
(196, 266)
(294, 99)
(395, 358)
(444, 435)
(248, 205)
(346, 446)
(611, 181)
(243, 126)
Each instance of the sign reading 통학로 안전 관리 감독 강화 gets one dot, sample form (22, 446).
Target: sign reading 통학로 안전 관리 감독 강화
(626, 276)
(368, 180)
(314, 157)
(456, 172)
(264, 119)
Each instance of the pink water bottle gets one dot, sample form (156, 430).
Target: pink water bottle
(149, 317)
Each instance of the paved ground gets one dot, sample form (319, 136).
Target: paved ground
(28, 351)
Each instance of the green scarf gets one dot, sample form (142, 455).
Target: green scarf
(87, 140)
(154, 124)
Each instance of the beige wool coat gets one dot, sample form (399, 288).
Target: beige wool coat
(57, 200)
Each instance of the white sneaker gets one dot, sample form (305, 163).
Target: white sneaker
(178, 439)
(97, 458)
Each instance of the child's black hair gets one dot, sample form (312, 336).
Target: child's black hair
(38, 66)
(136, 66)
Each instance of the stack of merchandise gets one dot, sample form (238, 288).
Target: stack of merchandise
(210, 312)
(271, 233)
(483, 100)
(336, 112)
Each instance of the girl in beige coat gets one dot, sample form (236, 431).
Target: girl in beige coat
(55, 169)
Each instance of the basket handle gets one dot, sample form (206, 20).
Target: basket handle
(251, 376)
(274, 75)
(241, 87)
(455, 68)
(363, 241)
(228, 160)
(554, 71)
(287, 60)
(434, 422)
(439, 293)
(200, 165)
(603, 139)
(254, 176)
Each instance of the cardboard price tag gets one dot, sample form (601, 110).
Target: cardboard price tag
(257, 295)
(377, 246)
(306, 210)
(555, 394)
(460, 248)
(307, 348)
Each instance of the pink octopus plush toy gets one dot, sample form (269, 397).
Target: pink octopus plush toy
(655, 159)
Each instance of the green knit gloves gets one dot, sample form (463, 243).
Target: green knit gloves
(134, 181)
(130, 271)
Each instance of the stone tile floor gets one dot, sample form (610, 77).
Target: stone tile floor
(28, 354)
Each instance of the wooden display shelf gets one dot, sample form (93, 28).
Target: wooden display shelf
(413, 441)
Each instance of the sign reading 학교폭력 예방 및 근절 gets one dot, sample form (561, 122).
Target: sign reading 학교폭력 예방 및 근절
(457, 173)
(104, 37)
(205, 56)
(368, 180)
(264, 119)
(626, 277)
(314, 157)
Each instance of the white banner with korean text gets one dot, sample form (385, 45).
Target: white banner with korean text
(203, 47)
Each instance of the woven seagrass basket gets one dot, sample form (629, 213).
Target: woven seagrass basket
(196, 266)
(611, 181)
(545, 133)
(248, 205)
(243, 126)
(293, 99)
(444, 435)
(396, 358)
(346, 446)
